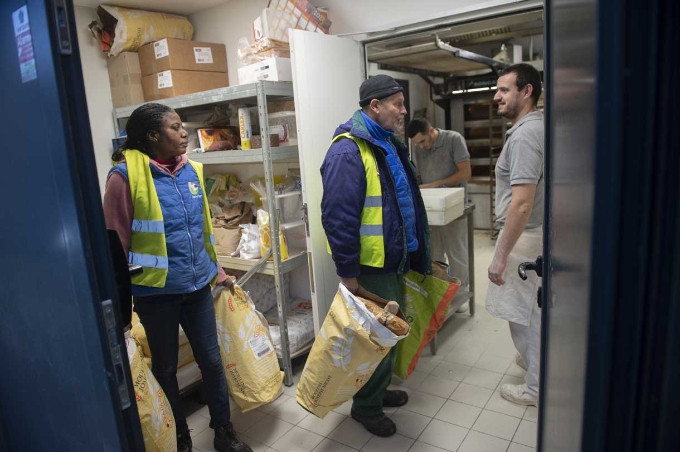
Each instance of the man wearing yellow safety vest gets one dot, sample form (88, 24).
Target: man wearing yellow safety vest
(375, 221)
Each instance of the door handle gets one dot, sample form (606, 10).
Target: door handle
(63, 29)
(535, 266)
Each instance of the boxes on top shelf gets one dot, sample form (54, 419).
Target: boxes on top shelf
(182, 55)
(176, 83)
(272, 69)
(125, 78)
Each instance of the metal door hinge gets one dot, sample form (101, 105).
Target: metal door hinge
(118, 353)
(63, 29)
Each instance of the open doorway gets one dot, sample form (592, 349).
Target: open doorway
(453, 71)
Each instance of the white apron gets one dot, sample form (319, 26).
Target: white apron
(514, 300)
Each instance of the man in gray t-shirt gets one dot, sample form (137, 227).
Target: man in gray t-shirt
(519, 211)
(441, 159)
(521, 162)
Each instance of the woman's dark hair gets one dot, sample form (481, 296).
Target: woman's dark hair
(144, 119)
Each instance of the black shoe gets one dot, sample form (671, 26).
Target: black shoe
(226, 440)
(378, 424)
(184, 441)
(394, 399)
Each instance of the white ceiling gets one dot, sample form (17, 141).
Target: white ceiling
(167, 6)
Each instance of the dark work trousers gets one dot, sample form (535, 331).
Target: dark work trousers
(161, 316)
(369, 399)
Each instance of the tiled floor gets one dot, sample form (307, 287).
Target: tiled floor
(454, 401)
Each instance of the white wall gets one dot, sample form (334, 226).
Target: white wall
(352, 16)
(97, 91)
(227, 24)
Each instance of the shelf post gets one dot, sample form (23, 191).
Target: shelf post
(274, 231)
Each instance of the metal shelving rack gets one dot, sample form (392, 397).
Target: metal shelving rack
(251, 94)
(494, 141)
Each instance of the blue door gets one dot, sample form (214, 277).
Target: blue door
(64, 378)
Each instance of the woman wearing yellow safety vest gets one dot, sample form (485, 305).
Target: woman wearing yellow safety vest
(155, 200)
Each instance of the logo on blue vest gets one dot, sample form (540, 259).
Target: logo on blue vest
(193, 188)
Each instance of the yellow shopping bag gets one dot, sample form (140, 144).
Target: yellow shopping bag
(155, 414)
(248, 354)
(350, 345)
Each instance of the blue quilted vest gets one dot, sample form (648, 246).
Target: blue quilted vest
(189, 265)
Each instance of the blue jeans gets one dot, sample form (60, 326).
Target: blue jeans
(161, 316)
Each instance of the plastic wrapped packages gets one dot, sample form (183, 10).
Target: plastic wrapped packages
(265, 236)
(300, 319)
(288, 197)
(249, 244)
(350, 345)
(155, 413)
(284, 120)
(259, 51)
(222, 138)
(262, 289)
(259, 189)
(248, 355)
(216, 188)
(126, 30)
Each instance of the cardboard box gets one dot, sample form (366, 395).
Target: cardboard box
(175, 83)
(272, 69)
(125, 78)
(182, 55)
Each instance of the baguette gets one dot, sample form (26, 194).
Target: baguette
(391, 321)
(392, 307)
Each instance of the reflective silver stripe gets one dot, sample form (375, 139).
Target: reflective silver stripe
(148, 260)
(148, 226)
(371, 230)
(212, 240)
(373, 201)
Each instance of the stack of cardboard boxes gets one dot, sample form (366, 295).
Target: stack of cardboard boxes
(167, 68)
(172, 67)
(269, 58)
(125, 77)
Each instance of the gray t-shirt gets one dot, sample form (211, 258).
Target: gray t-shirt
(441, 161)
(521, 162)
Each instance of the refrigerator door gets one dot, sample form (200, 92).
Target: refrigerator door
(65, 381)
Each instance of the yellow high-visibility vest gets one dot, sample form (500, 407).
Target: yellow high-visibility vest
(371, 238)
(147, 245)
